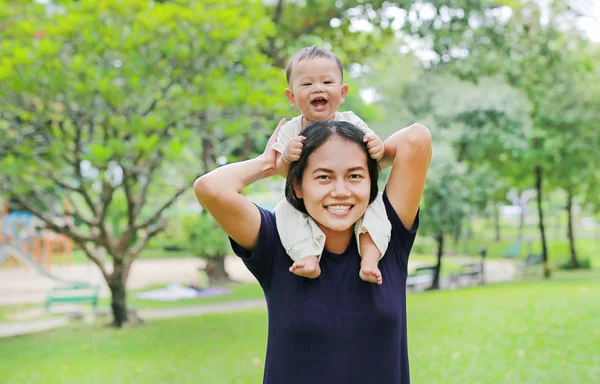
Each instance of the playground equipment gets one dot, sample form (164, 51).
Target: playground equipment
(23, 239)
(26, 234)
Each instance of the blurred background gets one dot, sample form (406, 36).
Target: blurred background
(109, 110)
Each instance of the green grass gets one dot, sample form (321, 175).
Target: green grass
(528, 332)
(79, 256)
(558, 249)
(449, 266)
(238, 292)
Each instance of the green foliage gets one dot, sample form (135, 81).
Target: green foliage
(445, 199)
(206, 239)
(329, 23)
(105, 96)
(583, 264)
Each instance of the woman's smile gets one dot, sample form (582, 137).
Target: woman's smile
(339, 209)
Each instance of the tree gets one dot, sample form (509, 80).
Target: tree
(209, 242)
(445, 201)
(529, 51)
(115, 107)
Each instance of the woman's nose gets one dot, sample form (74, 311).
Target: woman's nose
(340, 189)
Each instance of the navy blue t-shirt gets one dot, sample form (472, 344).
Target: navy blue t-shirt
(337, 328)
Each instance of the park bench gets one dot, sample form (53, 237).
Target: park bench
(531, 260)
(514, 250)
(421, 275)
(74, 293)
(471, 272)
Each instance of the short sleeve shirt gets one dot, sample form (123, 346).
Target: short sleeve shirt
(335, 328)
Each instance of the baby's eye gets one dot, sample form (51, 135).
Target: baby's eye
(306, 84)
(328, 82)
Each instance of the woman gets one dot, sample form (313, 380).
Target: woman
(336, 328)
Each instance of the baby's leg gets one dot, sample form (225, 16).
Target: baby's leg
(373, 232)
(302, 241)
(307, 267)
(369, 266)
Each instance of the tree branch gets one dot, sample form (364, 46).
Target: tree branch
(131, 203)
(152, 167)
(94, 259)
(160, 210)
(69, 232)
(133, 252)
(163, 94)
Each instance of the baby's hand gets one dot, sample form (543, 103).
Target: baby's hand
(293, 149)
(375, 146)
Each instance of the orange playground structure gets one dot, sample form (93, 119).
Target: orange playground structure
(25, 232)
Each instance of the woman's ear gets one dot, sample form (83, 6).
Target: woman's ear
(297, 190)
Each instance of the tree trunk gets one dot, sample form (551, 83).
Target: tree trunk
(438, 267)
(538, 186)
(116, 284)
(457, 233)
(574, 261)
(215, 269)
(521, 222)
(497, 222)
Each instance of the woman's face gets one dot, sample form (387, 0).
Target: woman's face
(336, 185)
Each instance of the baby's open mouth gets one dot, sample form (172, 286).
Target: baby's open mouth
(319, 102)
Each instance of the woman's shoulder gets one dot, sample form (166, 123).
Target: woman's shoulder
(261, 259)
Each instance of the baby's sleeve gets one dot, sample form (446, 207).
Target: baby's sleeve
(287, 131)
(351, 117)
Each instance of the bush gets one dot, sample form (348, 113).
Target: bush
(583, 264)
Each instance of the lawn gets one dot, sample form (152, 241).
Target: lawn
(527, 332)
(238, 292)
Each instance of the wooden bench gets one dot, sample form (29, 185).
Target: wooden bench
(471, 271)
(513, 251)
(75, 293)
(530, 261)
(421, 275)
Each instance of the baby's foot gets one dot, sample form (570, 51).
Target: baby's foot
(307, 267)
(370, 273)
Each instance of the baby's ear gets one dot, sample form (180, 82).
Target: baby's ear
(344, 91)
(290, 95)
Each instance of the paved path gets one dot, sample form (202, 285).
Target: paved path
(22, 328)
(18, 286)
(15, 329)
(26, 286)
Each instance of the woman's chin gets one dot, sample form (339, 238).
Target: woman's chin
(337, 224)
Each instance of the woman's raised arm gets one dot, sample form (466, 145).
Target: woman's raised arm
(408, 151)
(220, 193)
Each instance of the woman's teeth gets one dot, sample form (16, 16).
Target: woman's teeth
(338, 208)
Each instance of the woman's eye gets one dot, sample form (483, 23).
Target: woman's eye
(323, 177)
(356, 176)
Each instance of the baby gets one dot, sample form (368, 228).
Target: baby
(316, 89)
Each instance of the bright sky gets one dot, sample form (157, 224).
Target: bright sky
(593, 26)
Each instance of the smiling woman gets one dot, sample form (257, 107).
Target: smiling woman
(337, 188)
(335, 328)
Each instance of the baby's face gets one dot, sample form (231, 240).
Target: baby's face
(316, 88)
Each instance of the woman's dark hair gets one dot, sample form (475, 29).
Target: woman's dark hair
(316, 134)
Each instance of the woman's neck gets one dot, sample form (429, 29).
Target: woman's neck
(337, 242)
